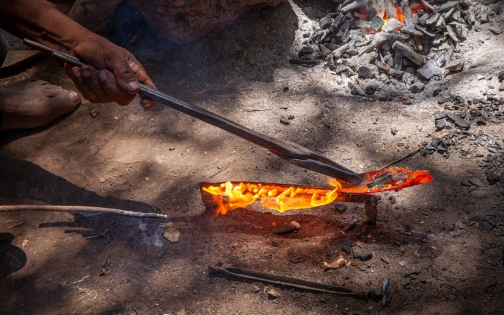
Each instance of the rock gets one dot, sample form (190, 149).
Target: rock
(417, 87)
(284, 121)
(402, 263)
(171, 233)
(350, 224)
(488, 225)
(364, 256)
(296, 225)
(493, 178)
(256, 289)
(284, 229)
(346, 247)
(355, 89)
(341, 208)
(501, 76)
(476, 182)
(440, 124)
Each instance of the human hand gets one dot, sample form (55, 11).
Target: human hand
(117, 82)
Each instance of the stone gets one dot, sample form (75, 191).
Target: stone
(284, 121)
(364, 256)
(341, 208)
(440, 124)
(171, 233)
(346, 247)
(417, 87)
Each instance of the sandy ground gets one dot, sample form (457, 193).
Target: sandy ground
(439, 258)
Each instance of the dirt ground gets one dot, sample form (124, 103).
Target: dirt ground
(438, 257)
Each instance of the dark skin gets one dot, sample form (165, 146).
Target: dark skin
(117, 81)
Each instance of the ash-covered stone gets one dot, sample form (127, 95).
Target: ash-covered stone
(417, 87)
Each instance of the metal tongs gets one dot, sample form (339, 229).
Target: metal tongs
(289, 151)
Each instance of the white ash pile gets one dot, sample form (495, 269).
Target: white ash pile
(408, 41)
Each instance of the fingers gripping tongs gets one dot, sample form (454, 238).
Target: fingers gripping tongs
(289, 151)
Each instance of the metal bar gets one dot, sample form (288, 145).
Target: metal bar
(252, 275)
(289, 151)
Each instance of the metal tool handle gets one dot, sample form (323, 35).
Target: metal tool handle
(289, 151)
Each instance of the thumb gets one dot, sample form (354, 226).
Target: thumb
(125, 76)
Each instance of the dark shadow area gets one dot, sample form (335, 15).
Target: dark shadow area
(12, 258)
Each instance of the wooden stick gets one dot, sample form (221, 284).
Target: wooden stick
(110, 249)
(81, 209)
(403, 158)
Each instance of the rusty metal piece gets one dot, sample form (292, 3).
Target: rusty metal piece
(251, 275)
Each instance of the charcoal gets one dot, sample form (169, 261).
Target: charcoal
(428, 70)
(451, 33)
(409, 53)
(436, 93)
(501, 76)
(398, 60)
(365, 72)
(354, 5)
(441, 23)
(455, 65)
(356, 89)
(326, 21)
(410, 29)
(338, 53)
(433, 19)
(344, 29)
(307, 53)
(447, 6)
(336, 24)
(391, 25)
(448, 13)
(429, 6)
(417, 87)
(495, 30)
(370, 90)
(382, 66)
(318, 37)
(459, 29)
(424, 30)
(459, 122)
(377, 23)
(440, 115)
(440, 124)
(493, 178)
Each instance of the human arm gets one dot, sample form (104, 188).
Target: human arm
(41, 21)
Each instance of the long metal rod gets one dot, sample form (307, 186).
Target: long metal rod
(289, 151)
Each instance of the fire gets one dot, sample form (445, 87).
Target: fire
(228, 196)
(399, 14)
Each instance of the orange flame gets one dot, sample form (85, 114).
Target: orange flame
(228, 196)
(399, 14)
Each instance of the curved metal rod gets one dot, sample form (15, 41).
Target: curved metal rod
(289, 151)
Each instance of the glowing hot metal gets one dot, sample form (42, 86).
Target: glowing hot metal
(280, 197)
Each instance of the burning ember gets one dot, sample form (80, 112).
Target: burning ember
(280, 197)
(411, 41)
